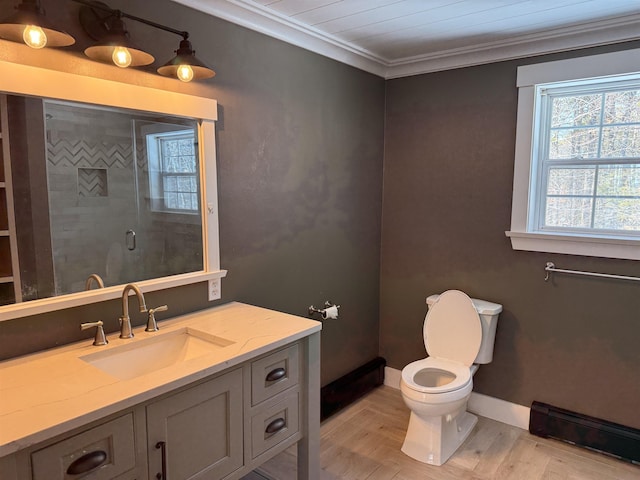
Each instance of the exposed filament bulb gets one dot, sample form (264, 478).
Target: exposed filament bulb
(34, 36)
(121, 57)
(185, 73)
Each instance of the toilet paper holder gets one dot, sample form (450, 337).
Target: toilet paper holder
(330, 310)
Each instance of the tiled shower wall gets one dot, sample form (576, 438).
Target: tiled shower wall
(92, 197)
(95, 198)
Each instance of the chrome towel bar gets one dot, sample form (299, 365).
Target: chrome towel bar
(551, 267)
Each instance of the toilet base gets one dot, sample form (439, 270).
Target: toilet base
(433, 440)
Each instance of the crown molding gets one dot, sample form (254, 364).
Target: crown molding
(261, 19)
(591, 34)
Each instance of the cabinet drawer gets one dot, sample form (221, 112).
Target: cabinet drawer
(274, 424)
(106, 451)
(274, 373)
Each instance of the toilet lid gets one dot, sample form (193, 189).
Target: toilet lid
(452, 328)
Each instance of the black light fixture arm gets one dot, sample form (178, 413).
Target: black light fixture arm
(121, 14)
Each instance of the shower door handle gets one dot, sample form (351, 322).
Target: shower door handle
(130, 239)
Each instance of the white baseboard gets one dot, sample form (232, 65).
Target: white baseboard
(392, 377)
(483, 405)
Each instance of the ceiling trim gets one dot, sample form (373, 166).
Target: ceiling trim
(254, 16)
(590, 34)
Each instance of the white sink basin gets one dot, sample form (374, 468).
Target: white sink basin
(160, 351)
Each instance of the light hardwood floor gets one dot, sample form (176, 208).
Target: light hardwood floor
(363, 442)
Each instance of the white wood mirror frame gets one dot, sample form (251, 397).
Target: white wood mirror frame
(39, 82)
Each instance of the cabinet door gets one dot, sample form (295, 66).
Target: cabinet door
(200, 430)
(9, 468)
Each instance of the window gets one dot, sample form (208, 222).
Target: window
(577, 171)
(173, 171)
(588, 162)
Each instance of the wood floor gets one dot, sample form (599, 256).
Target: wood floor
(363, 443)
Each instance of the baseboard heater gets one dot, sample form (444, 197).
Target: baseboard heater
(589, 432)
(350, 387)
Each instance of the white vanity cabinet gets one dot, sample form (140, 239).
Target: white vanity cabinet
(220, 427)
(216, 416)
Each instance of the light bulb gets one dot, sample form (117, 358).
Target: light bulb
(185, 73)
(34, 36)
(121, 57)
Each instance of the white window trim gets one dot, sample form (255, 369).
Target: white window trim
(609, 64)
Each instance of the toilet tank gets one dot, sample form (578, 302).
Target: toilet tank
(488, 313)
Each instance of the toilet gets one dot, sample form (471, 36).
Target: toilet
(459, 333)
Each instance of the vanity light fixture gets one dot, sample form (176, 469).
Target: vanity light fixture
(106, 25)
(30, 25)
(185, 66)
(116, 46)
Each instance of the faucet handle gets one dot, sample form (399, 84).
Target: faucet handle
(152, 325)
(100, 338)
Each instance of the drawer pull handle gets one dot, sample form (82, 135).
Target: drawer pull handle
(87, 462)
(276, 374)
(276, 425)
(163, 451)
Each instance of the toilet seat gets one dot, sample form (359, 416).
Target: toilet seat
(461, 373)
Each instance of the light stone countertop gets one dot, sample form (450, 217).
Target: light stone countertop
(49, 393)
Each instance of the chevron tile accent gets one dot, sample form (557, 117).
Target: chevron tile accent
(92, 182)
(80, 153)
(141, 157)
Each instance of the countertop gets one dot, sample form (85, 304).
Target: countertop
(49, 393)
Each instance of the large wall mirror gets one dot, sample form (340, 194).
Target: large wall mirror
(101, 179)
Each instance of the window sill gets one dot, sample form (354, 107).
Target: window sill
(628, 249)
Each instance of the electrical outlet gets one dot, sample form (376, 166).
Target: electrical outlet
(214, 289)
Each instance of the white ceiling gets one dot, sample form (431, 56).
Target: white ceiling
(394, 38)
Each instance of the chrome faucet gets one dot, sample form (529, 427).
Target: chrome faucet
(94, 277)
(125, 321)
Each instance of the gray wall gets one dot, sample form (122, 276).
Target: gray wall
(448, 173)
(299, 144)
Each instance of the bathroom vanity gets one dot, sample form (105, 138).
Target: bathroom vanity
(212, 395)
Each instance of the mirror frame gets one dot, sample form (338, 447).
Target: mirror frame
(27, 80)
